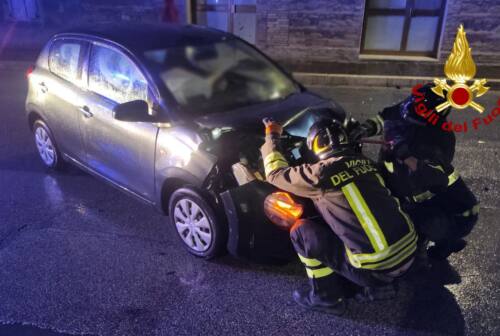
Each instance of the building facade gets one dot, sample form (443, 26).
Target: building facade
(412, 37)
(370, 37)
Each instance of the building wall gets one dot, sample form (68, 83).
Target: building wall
(56, 15)
(315, 30)
(70, 12)
(325, 35)
(128, 10)
(304, 35)
(481, 19)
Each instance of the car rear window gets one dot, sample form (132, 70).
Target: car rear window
(64, 59)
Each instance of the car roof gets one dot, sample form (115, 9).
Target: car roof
(142, 37)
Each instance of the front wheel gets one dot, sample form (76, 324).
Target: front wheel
(196, 223)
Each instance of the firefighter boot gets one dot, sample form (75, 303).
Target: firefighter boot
(325, 294)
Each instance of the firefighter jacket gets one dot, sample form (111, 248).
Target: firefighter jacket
(410, 136)
(352, 198)
(413, 137)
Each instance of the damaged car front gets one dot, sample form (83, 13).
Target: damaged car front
(208, 164)
(172, 115)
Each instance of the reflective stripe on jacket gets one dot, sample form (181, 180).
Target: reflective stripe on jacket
(352, 198)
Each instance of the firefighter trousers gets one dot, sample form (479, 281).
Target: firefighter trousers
(323, 254)
(448, 216)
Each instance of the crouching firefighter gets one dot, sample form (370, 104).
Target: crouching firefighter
(417, 167)
(367, 239)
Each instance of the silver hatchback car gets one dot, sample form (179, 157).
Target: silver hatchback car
(170, 115)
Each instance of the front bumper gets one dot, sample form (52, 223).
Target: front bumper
(251, 235)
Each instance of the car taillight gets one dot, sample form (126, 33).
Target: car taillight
(282, 210)
(29, 71)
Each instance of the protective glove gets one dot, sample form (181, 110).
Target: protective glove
(272, 127)
(365, 130)
(400, 150)
(350, 124)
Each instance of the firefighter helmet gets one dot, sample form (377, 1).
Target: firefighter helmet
(421, 103)
(327, 138)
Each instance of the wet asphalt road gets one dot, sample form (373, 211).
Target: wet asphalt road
(79, 257)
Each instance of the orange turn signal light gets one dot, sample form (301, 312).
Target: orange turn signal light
(282, 210)
(289, 206)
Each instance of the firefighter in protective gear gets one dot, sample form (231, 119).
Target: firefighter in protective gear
(417, 167)
(366, 238)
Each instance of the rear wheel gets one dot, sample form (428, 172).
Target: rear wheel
(46, 145)
(196, 223)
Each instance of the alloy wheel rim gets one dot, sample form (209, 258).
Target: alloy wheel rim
(45, 146)
(192, 225)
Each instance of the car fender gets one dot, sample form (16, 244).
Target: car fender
(179, 161)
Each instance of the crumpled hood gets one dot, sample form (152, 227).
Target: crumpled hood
(296, 113)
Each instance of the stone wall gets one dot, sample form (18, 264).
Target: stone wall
(325, 36)
(314, 30)
(304, 35)
(481, 19)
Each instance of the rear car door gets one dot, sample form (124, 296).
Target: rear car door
(62, 92)
(123, 152)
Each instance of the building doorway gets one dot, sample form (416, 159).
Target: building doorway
(234, 16)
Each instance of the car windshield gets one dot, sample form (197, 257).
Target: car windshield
(218, 77)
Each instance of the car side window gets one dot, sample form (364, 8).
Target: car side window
(64, 59)
(114, 76)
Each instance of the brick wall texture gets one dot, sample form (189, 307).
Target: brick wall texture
(298, 31)
(305, 35)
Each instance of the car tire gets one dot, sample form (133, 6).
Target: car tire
(46, 146)
(196, 223)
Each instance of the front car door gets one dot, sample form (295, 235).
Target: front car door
(123, 152)
(62, 89)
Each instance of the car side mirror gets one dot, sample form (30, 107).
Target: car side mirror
(135, 110)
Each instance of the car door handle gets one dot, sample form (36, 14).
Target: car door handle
(86, 111)
(43, 87)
